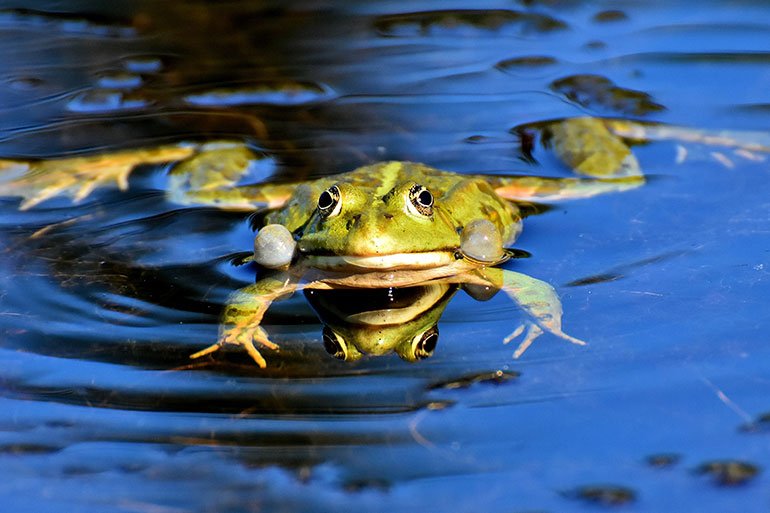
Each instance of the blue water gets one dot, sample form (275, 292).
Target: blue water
(102, 411)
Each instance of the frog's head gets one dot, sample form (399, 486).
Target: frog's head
(358, 228)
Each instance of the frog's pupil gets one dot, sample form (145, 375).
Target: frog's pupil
(332, 345)
(325, 200)
(425, 198)
(427, 343)
(421, 199)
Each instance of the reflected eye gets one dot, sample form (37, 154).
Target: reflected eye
(424, 345)
(420, 201)
(329, 203)
(333, 344)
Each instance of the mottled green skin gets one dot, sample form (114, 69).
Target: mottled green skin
(375, 218)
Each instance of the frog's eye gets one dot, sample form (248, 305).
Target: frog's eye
(420, 201)
(329, 203)
(334, 344)
(423, 345)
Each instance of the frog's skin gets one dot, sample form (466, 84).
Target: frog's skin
(390, 224)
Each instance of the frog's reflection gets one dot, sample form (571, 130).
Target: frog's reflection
(379, 321)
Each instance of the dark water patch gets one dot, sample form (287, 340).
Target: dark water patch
(359, 485)
(27, 83)
(103, 131)
(601, 93)
(610, 16)
(759, 108)
(663, 460)
(761, 424)
(729, 472)
(465, 22)
(604, 495)
(727, 57)
(28, 449)
(625, 270)
(495, 378)
(79, 470)
(592, 280)
(252, 400)
(595, 45)
(535, 62)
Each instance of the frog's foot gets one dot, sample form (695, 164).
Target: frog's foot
(532, 332)
(539, 302)
(244, 336)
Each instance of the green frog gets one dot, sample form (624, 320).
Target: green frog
(388, 225)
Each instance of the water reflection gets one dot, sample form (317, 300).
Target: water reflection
(378, 321)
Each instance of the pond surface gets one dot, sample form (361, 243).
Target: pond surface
(101, 302)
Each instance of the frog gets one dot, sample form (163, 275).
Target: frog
(398, 225)
(386, 225)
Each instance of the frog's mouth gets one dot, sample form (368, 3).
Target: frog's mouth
(394, 261)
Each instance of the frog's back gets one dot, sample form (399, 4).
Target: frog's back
(382, 177)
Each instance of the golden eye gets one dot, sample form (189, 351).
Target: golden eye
(334, 344)
(424, 344)
(421, 200)
(329, 203)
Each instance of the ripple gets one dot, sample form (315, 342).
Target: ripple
(526, 63)
(22, 448)
(493, 377)
(290, 93)
(596, 91)
(102, 100)
(143, 64)
(60, 22)
(26, 83)
(464, 22)
(119, 81)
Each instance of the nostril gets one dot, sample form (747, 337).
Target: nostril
(388, 216)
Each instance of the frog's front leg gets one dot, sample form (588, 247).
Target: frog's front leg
(243, 314)
(538, 300)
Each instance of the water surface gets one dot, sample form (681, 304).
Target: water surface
(102, 302)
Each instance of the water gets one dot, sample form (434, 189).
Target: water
(102, 302)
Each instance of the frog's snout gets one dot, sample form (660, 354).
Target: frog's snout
(371, 233)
